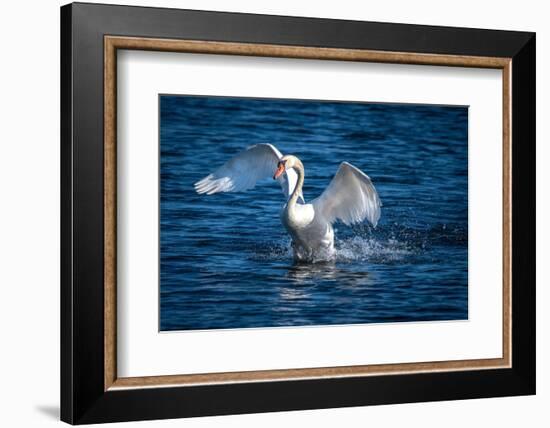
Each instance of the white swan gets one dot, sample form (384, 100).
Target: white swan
(350, 197)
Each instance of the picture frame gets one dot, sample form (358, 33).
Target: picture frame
(91, 390)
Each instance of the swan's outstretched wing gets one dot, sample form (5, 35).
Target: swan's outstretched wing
(245, 169)
(350, 197)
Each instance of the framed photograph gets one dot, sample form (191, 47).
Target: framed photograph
(266, 213)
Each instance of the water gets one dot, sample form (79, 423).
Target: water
(226, 260)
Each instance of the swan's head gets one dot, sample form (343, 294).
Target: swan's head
(285, 163)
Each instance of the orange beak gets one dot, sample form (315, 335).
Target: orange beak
(280, 170)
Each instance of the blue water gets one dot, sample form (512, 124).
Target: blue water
(226, 260)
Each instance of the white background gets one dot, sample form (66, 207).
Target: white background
(144, 352)
(29, 226)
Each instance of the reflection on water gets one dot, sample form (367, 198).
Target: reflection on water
(312, 273)
(225, 259)
(293, 293)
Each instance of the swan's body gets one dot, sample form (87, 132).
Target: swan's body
(312, 237)
(350, 197)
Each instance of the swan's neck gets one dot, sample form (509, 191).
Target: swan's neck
(299, 167)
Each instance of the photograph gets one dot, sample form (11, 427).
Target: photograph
(295, 213)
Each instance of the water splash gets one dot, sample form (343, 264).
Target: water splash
(357, 248)
(385, 245)
(371, 249)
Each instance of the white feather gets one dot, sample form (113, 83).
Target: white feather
(350, 197)
(244, 170)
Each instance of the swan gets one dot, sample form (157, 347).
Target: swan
(350, 197)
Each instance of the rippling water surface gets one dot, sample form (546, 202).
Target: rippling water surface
(226, 260)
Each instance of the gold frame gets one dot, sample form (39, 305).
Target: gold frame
(113, 43)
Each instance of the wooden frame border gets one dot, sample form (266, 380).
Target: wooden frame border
(113, 43)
